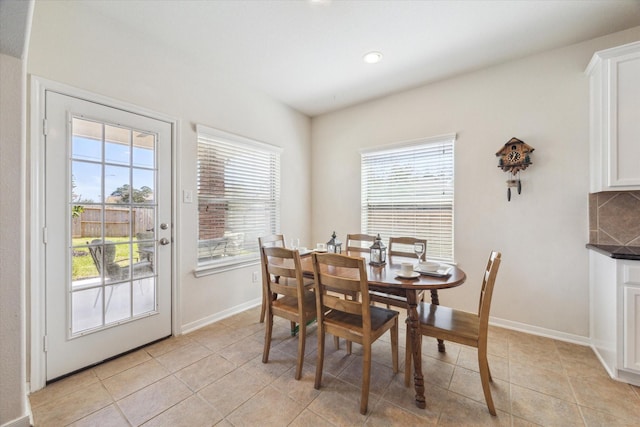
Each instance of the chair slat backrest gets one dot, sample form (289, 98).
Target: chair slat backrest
(95, 249)
(486, 292)
(359, 242)
(341, 274)
(103, 254)
(283, 264)
(403, 246)
(272, 240)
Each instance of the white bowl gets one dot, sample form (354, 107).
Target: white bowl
(429, 266)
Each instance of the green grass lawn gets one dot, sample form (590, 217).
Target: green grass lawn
(83, 266)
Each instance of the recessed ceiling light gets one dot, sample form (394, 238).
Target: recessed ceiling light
(372, 57)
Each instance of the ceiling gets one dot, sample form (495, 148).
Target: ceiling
(308, 54)
(15, 18)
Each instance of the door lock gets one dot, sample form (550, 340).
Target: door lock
(164, 241)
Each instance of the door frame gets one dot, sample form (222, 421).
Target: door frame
(36, 261)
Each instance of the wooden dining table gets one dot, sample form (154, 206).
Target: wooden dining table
(385, 279)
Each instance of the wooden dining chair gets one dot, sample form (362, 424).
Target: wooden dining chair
(356, 321)
(297, 304)
(359, 242)
(273, 240)
(403, 246)
(466, 328)
(400, 246)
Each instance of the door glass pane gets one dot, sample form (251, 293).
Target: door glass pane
(143, 149)
(86, 182)
(116, 184)
(118, 304)
(87, 140)
(144, 221)
(86, 223)
(117, 147)
(84, 270)
(143, 186)
(144, 296)
(117, 225)
(87, 309)
(113, 215)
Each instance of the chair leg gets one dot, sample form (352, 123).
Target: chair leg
(267, 337)
(408, 367)
(109, 298)
(320, 355)
(95, 302)
(483, 365)
(336, 342)
(302, 338)
(348, 347)
(366, 378)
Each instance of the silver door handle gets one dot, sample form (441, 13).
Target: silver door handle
(164, 241)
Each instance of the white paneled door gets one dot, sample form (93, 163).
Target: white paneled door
(107, 232)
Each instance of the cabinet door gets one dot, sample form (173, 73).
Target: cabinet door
(632, 328)
(624, 121)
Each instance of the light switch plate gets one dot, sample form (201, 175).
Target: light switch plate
(187, 196)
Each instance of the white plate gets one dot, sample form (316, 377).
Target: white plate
(320, 251)
(413, 275)
(443, 271)
(420, 270)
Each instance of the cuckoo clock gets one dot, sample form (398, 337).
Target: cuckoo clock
(513, 158)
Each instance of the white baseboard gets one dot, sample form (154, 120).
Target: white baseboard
(192, 326)
(507, 324)
(23, 421)
(543, 332)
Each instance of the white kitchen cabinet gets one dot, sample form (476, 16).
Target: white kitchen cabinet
(632, 328)
(615, 315)
(615, 118)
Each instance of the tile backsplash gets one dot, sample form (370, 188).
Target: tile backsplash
(614, 218)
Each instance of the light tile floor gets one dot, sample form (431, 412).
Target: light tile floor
(215, 376)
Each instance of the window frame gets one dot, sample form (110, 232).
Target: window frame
(388, 154)
(234, 145)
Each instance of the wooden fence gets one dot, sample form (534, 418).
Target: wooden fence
(117, 222)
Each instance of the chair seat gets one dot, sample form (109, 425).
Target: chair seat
(449, 324)
(379, 317)
(289, 304)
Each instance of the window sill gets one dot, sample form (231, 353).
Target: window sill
(220, 267)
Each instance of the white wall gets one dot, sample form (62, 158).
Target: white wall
(542, 100)
(12, 279)
(99, 56)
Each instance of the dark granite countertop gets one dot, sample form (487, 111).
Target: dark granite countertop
(617, 252)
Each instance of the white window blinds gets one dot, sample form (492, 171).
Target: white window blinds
(408, 190)
(238, 196)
